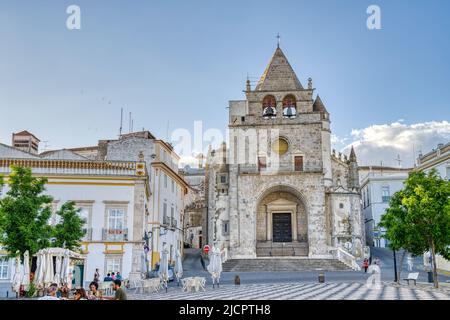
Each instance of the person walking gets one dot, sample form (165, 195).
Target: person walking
(377, 261)
(94, 293)
(96, 275)
(365, 265)
(80, 294)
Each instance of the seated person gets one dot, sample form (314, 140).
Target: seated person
(51, 293)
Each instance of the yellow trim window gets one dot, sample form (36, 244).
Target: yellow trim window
(280, 146)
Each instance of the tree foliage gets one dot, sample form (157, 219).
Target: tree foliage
(418, 217)
(69, 230)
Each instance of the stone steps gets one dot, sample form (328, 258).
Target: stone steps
(269, 249)
(280, 264)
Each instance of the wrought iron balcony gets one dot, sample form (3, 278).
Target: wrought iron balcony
(87, 234)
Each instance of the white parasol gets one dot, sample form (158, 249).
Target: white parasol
(65, 270)
(40, 269)
(164, 267)
(26, 271)
(57, 277)
(17, 276)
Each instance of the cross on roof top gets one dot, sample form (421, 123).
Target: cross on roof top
(278, 40)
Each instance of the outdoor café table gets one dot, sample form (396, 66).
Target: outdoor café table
(151, 284)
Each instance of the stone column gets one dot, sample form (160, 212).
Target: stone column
(294, 216)
(138, 232)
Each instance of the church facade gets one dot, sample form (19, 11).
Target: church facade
(276, 189)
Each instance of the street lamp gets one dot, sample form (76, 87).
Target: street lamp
(395, 266)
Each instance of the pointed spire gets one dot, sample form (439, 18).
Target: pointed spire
(352, 155)
(279, 75)
(318, 105)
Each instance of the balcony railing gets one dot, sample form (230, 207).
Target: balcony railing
(87, 234)
(115, 234)
(166, 221)
(82, 167)
(170, 222)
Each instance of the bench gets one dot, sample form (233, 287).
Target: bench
(412, 277)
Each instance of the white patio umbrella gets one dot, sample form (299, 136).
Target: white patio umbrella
(164, 267)
(26, 271)
(215, 265)
(178, 266)
(38, 265)
(49, 270)
(57, 277)
(17, 279)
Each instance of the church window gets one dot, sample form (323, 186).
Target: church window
(269, 107)
(223, 178)
(261, 163)
(298, 163)
(385, 194)
(280, 146)
(289, 106)
(341, 205)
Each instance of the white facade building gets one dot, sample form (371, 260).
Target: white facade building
(112, 196)
(438, 159)
(378, 184)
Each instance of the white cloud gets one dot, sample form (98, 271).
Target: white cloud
(385, 142)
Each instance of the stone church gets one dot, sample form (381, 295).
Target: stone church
(276, 189)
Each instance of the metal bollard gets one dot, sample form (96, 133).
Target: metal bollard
(321, 277)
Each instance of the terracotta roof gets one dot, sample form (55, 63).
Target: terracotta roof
(318, 105)
(279, 75)
(25, 133)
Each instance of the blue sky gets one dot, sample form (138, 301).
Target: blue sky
(181, 61)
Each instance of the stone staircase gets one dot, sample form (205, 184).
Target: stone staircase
(274, 249)
(283, 264)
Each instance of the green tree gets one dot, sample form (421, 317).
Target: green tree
(24, 213)
(418, 217)
(69, 231)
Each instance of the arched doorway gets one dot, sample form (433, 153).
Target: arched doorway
(281, 223)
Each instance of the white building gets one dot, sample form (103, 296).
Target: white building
(438, 159)
(195, 222)
(378, 184)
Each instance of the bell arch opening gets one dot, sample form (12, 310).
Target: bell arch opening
(281, 223)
